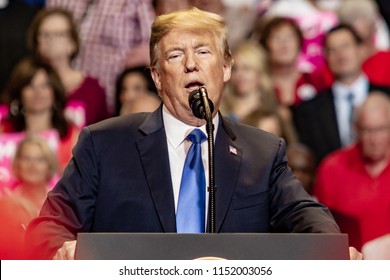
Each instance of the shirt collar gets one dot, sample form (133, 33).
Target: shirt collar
(177, 131)
(359, 88)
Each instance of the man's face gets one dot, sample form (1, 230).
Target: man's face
(188, 60)
(374, 133)
(343, 54)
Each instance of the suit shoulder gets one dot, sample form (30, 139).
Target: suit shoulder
(113, 132)
(321, 98)
(315, 106)
(125, 122)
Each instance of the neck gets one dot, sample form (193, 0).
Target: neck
(63, 69)
(34, 192)
(283, 71)
(349, 79)
(244, 105)
(70, 78)
(369, 48)
(375, 168)
(61, 65)
(284, 79)
(38, 122)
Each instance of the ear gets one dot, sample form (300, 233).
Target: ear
(227, 71)
(156, 78)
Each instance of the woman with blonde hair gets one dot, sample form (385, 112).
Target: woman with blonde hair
(250, 86)
(34, 166)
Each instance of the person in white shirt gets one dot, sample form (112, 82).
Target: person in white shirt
(126, 172)
(324, 123)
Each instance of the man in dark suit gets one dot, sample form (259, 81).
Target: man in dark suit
(324, 123)
(125, 174)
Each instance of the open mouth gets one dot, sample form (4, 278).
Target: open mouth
(194, 85)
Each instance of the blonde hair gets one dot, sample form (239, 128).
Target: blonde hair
(49, 155)
(255, 56)
(349, 10)
(189, 19)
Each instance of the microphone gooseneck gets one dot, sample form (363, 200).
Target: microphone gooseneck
(202, 107)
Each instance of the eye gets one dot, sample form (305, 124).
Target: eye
(203, 51)
(173, 56)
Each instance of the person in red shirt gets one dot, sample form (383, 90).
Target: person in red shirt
(34, 166)
(354, 182)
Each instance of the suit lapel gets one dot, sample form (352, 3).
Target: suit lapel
(153, 152)
(329, 118)
(228, 160)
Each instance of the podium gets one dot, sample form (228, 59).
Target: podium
(233, 246)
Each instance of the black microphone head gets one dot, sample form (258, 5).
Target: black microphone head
(196, 104)
(195, 101)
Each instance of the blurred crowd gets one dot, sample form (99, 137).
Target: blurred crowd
(314, 72)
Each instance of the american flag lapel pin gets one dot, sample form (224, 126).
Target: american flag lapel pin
(232, 150)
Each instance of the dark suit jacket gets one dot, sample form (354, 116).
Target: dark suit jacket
(316, 122)
(119, 181)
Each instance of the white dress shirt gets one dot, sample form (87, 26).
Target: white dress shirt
(359, 89)
(178, 147)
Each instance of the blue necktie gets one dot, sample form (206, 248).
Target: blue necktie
(350, 99)
(190, 216)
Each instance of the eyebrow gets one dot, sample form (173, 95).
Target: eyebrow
(172, 50)
(200, 45)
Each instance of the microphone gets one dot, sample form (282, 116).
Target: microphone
(202, 107)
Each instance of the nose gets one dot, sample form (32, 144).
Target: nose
(190, 63)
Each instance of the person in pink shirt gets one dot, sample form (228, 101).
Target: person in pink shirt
(34, 166)
(53, 37)
(36, 98)
(282, 38)
(114, 34)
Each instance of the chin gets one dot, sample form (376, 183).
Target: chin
(374, 157)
